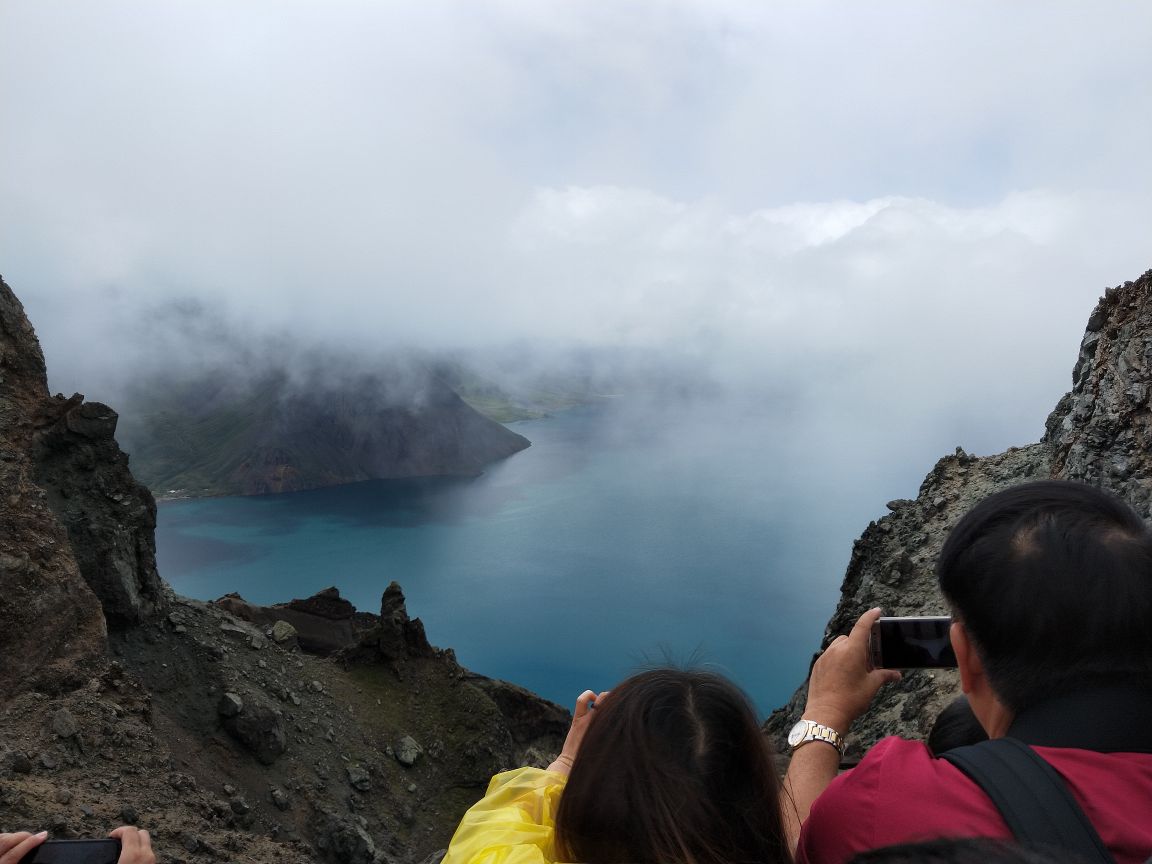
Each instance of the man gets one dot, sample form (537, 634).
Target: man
(1050, 585)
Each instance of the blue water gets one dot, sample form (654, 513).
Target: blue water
(565, 567)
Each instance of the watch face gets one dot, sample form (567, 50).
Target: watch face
(798, 732)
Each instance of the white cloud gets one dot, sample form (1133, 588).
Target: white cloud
(859, 198)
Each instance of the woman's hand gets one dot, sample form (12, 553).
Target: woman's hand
(841, 686)
(581, 717)
(135, 846)
(13, 847)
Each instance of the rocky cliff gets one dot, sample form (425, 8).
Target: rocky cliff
(1100, 433)
(303, 732)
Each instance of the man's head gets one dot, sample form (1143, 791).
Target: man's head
(1052, 582)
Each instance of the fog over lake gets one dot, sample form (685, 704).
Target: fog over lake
(862, 235)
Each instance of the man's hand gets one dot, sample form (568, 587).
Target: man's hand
(581, 717)
(13, 847)
(841, 686)
(840, 689)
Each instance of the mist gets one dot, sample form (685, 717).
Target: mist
(854, 236)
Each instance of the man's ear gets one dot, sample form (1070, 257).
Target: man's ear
(985, 704)
(967, 660)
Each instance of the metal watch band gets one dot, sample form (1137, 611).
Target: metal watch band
(820, 732)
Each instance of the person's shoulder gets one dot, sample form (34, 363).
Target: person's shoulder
(892, 754)
(898, 792)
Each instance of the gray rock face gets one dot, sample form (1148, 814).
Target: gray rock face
(109, 517)
(40, 581)
(1100, 433)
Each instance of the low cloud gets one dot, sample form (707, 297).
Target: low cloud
(897, 215)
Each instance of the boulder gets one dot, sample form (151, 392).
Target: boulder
(259, 726)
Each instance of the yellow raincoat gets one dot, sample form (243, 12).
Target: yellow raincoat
(513, 823)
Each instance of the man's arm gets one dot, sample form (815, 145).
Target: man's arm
(840, 689)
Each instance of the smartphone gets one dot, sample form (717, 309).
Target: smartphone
(911, 643)
(102, 851)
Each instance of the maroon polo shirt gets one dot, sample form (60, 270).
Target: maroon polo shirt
(899, 793)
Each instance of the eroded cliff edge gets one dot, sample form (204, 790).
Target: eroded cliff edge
(1100, 432)
(232, 732)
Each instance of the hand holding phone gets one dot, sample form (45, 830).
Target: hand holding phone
(98, 851)
(918, 642)
(841, 686)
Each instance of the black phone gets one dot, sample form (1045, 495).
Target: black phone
(911, 643)
(102, 851)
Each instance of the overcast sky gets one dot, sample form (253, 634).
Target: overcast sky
(906, 209)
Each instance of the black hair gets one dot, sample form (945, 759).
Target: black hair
(966, 851)
(955, 726)
(1052, 581)
(673, 769)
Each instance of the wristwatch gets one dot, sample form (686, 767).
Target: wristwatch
(809, 730)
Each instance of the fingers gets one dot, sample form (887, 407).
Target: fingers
(582, 703)
(15, 846)
(863, 626)
(135, 845)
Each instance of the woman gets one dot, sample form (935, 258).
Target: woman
(669, 767)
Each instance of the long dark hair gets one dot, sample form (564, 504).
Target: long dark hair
(673, 769)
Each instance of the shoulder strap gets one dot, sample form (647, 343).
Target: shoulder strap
(1033, 799)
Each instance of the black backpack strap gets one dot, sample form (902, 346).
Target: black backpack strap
(1033, 799)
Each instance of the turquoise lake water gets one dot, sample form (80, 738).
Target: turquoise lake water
(567, 566)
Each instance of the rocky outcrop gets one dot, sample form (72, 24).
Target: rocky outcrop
(109, 517)
(66, 450)
(396, 637)
(1099, 433)
(52, 630)
(364, 754)
(324, 623)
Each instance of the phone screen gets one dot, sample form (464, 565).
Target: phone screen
(912, 643)
(102, 851)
